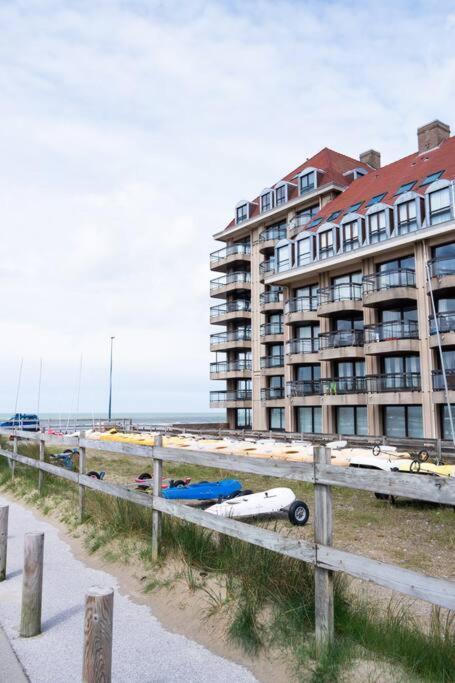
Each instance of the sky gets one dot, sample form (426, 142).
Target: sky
(129, 131)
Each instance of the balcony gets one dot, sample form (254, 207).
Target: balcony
(446, 324)
(232, 310)
(300, 308)
(230, 369)
(271, 300)
(231, 255)
(341, 344)
(340, 298)
(270, 236)
(303, 387)
(271, 332)
(303, 350)
(270, 364)
(344, 385)
(267, 267)
(394, 285)
(230, 282)
(442, 272)
(272, 394)
(236, 339)
(241, 398)
(397, 381)
(439, 395)
(392, 337)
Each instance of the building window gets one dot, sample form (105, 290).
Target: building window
(325, 244)
(407, 217)
(276, 419)
(377, 227)
(352, 420)
(266, 201)
(276, 387)
(405, 188)
(281, 195)
(304, 216)
(333, 216)
(440, 206)
(309, 419)
(431, 178)
(304, 250)
(446, 426)
(403, 421)
(351, 235)
(307, 182)
(242, 213)
(376, 199)
(282, 258)
(354, 207)
(243, 418)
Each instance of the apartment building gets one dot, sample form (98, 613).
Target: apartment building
(338, 297)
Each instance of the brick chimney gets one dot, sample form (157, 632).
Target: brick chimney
(432, 134)
(372, 158)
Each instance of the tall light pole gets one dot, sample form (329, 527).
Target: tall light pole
(110, 382)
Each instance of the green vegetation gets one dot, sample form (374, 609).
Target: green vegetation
(266, 599)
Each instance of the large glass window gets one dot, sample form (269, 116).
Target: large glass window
(308, 373)
(446, 426)
(352, 420)
(325, 244)
(403, 421)
(304, 216)
(307, 182)
(243, 418)
(377, 227)
(304, 251)
(407, 217)
(351, 235)
(276, 419)
(242, 213)
(309, 419)
(266, 201)
(281, 195)
(282, 258)
(308, 297)
(440, 206)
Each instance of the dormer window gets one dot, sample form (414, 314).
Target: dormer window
(407, 217)
(266, 200)
(241, 213)
(440, 206)
(377, 227)
(350, 232)
(304, 248)
(281, 195)
(326, 244)
(307, 182)
(282, 257)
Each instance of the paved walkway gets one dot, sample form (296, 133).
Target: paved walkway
(143, 650)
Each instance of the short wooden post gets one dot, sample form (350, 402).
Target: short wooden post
(82, 458)
(99, 609)
(3, 540)
(323, 578)
(32, 585)
(157, 481)
(41, 458)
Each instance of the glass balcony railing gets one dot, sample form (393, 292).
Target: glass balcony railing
(349, 291)
(272, 361)
(225, 396)
(230, 307)
(444, 321)
(273, 233)
(390, 331)
(231, 366)
(303, 387)
(442, 266)
(376, 282)
(341, 339)
(233, 336)
(438, 380)
(271, 328)
(241, 249)
(300, 304)
(270, 297)
(272, 393)
(302, 346)
(229, 279)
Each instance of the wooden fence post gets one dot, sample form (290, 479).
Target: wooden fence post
(40, 472)
(323, 578)
(99, 609)
(82, 458)
(3, 540)
(32, 585)
(157, 481)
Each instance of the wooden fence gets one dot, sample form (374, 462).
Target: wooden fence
(320, 553)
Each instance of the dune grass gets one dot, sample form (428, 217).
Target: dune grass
(267, 599)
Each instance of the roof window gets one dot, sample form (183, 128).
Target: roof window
(333, 216)
(354, 207)
(314, 223)
(431, 178)
(405, 188)
(376, 199)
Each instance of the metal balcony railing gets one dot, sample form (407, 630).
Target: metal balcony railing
(445, 322)
(273, 233)
(240, 277)
(235, 335)
(444, 265)
(350, 291)
(299, 304)
(303, 387)
(397, 381)
(438, 380)
(270, 297)
(302, 346)
(343, 385)
(401, 277)
(272, 361)
(230, 250)
(267, 266)
(271, 328)
(231, 366)
(389, 331)
(225, 396)
(340, 339)
(272, 393)
(230, 307)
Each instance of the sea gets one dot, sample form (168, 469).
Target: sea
(137, 418)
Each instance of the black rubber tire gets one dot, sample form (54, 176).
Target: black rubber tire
(178, 483)
(235, 494)
(246, 492)
(298, 513)
(145, 475)
(93, 474)
(376, 449)
(382, 496)
(414, 466)
(423, 455)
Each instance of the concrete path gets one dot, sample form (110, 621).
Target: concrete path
(143, 650)
(11, 670)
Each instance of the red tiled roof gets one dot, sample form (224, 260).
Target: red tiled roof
(388, 179)
(332, 163)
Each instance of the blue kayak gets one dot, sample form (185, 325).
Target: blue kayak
(203, 490)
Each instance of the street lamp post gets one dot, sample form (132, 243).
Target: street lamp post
(110, 382)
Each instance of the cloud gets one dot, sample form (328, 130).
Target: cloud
(129, 132)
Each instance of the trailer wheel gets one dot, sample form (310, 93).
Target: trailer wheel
(414, 466)
(144, 476)
(178, 484)
(376, 449)
(423, 455)
(93, 474)
(298, 513)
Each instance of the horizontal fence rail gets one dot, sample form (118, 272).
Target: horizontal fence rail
(323, 556)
